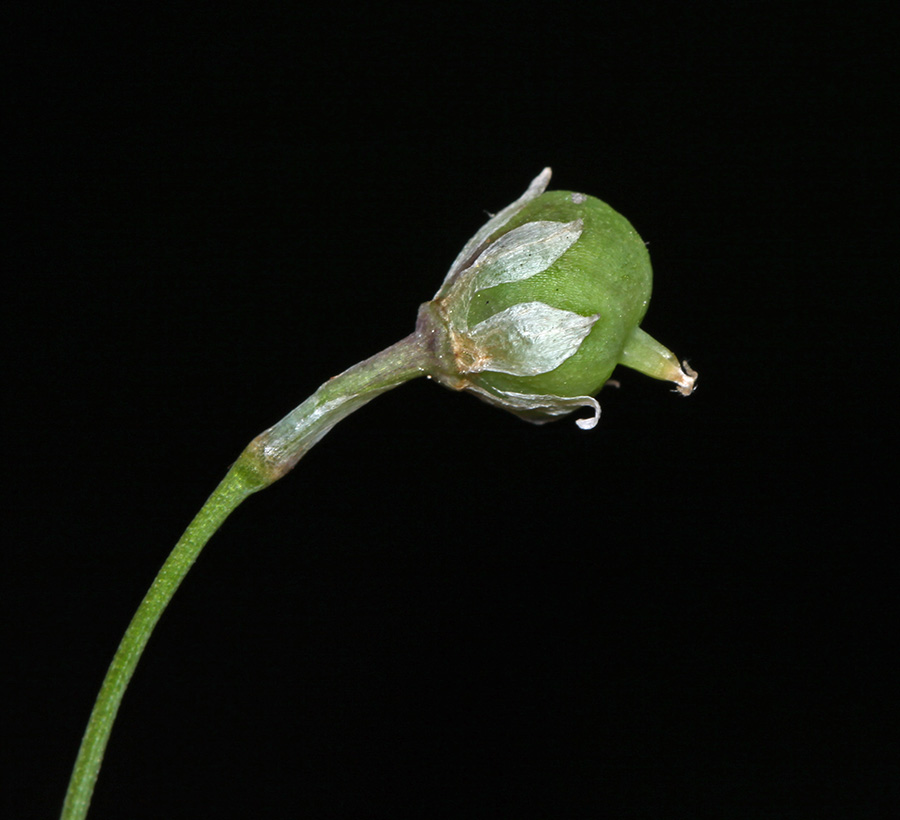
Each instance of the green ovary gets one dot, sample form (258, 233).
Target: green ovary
(607, 271)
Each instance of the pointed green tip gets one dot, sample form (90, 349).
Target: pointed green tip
(643, 353)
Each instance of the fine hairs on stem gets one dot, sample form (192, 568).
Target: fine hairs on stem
(537, 355)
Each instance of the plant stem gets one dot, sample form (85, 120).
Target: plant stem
(266, 459)
(233, 489)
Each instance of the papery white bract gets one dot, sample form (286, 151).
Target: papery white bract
(523, 252)
(475, 244)
(530, 338)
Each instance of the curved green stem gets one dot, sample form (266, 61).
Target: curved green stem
(266, 459)
(233, 489)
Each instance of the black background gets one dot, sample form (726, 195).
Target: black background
(687, 612)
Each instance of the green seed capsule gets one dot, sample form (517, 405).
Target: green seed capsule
(545, 301)
(606, 273)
